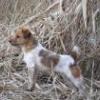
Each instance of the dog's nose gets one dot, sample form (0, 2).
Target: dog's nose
(9, 40)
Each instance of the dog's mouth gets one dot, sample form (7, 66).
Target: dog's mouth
(13, 43)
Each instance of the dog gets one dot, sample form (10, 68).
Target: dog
(37, 58)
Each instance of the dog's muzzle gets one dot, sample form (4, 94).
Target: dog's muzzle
(12, 41)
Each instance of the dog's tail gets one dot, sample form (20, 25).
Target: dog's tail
(75, 53)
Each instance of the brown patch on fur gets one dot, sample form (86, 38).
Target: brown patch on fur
(76, 72)
(30, 45)
(23, 38)
(27, 33)
(48, 59)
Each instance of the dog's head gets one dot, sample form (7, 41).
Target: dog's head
(22, 36)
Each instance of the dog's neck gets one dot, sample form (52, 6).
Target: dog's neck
(29, 45)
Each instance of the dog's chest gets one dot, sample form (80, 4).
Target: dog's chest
(33, 59)
(29, 59)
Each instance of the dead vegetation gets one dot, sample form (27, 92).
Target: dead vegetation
(58, 25)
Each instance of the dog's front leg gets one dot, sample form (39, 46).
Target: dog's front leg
(32, 76)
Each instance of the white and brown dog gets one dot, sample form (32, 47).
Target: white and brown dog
(37, 57)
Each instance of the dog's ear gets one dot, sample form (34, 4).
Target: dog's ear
(27, 33)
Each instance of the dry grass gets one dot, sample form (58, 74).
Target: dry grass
(58, 25)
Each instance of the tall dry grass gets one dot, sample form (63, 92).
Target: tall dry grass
(58, 25)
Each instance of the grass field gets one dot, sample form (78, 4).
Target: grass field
(58, 25)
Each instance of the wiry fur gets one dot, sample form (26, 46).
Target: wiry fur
(37, 58)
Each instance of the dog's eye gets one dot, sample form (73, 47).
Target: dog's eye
(18, 36)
